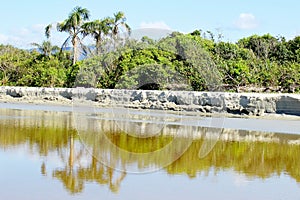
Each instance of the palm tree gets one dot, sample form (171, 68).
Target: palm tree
(119, 21)
(98, 29)
(73, 26)
(46, 48)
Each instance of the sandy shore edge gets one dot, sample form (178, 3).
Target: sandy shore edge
(63, 104)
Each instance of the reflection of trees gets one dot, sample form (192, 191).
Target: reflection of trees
(67, 175)
(255, 159)
(103, 175)
(51, 132)
(69, 179)
(74, 177)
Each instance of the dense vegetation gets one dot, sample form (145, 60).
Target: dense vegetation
(198, 59)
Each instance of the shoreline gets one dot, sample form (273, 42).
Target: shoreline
(240, 105)
(273, 124)
(59, 106)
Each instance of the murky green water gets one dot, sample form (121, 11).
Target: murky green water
(47, 154)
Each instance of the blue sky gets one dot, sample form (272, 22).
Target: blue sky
(23, 22)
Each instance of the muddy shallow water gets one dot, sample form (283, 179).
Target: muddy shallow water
(50, 152)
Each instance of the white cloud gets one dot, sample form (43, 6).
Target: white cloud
(3, 38)
(24, 36)
(9, 39)
(39, 27)
(246, 21)
(155, 25)
(292, 35)
(23, 32)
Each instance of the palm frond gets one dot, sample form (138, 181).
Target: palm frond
(47, 30)
(84, 48)
(65, 44)
(119, 16)
(128, 28)
(35, 45)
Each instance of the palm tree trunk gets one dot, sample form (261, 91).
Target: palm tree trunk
(98, 46)
(75, 51)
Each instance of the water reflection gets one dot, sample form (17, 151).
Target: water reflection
(53, 134)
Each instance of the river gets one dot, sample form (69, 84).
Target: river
(58, 152)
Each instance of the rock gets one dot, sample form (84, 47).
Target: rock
(270, 106)
(170, 105)
(217, 101)
(288, 105)
(67, 93)
(205, 102)
(184, 98)
(139, 96)
(162, 97)
(244, 101)
(151, 96)
(172, 98)
(15, 92)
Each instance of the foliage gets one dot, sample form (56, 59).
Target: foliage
(24, 68)
(98, 29)
(262, 46)
(200, 59)
(46, 73)
(46, 48)
(13, 63)
(73, 26)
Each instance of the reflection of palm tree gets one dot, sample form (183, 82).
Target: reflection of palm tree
(69, 179)
(103, 175)
(94, 172)
(43, 169)
(115, 186)
(71, 155)
(68, 175)
(74, 179)
(72, 25)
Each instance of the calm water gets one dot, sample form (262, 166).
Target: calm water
(50, 153)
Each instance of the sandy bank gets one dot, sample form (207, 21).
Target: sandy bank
(230, 104)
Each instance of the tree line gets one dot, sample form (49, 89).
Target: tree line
(255, 63)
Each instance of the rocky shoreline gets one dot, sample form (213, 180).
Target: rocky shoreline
(245, 104)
